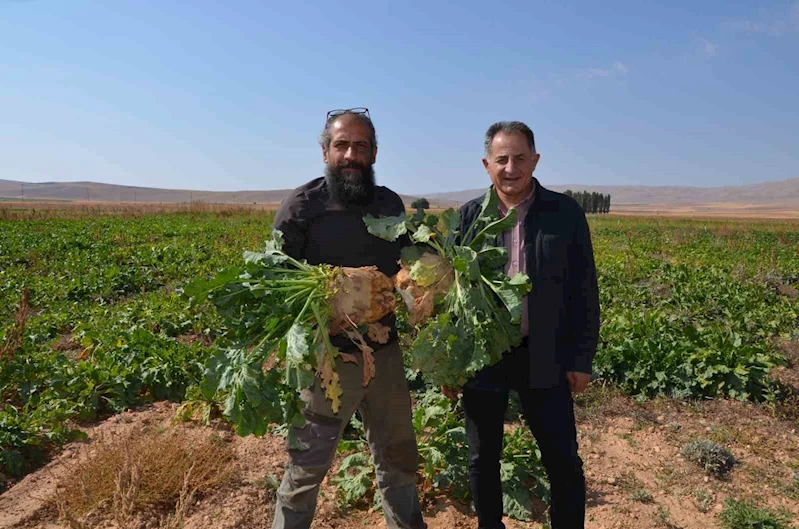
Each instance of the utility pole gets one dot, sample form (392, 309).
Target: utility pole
(134, 196)
(22, 188)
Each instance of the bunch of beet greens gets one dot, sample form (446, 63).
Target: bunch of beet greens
(466, 310)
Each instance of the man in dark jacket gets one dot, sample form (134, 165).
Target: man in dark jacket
(322, 222)
(552, 244)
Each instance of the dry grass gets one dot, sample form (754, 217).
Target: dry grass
(15, 335)
(37, 210)
(126, 490)
(143, 472)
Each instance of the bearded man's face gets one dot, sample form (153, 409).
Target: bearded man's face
(349, 161)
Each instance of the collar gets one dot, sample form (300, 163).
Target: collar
(525, 203)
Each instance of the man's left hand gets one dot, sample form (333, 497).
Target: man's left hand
(578, 381)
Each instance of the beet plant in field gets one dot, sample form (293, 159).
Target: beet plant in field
(104, 328)
(467, 311)
(696, 319)
(280, 313)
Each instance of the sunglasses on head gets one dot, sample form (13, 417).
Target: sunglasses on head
(339, 111)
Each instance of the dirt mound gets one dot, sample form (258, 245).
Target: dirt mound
(788, 375)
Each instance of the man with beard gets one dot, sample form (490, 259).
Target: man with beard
(322, 222)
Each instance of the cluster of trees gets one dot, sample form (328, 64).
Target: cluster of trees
(590, 202)
(420, 203)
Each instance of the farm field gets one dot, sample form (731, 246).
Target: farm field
(100, 356)
(715, 210)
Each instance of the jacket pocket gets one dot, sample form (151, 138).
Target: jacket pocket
(553, 257)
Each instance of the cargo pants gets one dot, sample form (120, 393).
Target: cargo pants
(385, 408)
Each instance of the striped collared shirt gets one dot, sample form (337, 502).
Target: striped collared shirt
(514, 242)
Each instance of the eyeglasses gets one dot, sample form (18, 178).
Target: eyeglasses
(339, 111)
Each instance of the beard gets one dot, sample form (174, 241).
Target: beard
(351, 183)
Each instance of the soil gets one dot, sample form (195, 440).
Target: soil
(636, 475)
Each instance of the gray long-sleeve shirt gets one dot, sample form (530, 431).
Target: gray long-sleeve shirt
(321, 230)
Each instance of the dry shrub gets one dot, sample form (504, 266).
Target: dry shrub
(66, 344)
(144, 471)
(712, 457)
(788, 291)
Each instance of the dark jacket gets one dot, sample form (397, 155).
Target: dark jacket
(564, 302)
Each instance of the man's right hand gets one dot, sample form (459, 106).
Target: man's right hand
(451, 394)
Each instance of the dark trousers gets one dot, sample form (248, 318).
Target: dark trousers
(550, 415)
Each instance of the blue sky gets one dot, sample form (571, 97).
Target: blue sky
(232, 95)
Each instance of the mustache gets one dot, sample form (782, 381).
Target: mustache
(352, 165)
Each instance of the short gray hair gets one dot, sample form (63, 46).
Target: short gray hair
(509, 127)
(324, 138)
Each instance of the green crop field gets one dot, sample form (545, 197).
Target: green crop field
(690, 309)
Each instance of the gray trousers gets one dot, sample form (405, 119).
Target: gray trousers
(385, 408)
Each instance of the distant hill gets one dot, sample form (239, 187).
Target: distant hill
(97, 192)
(785, 192)
(782, 193)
